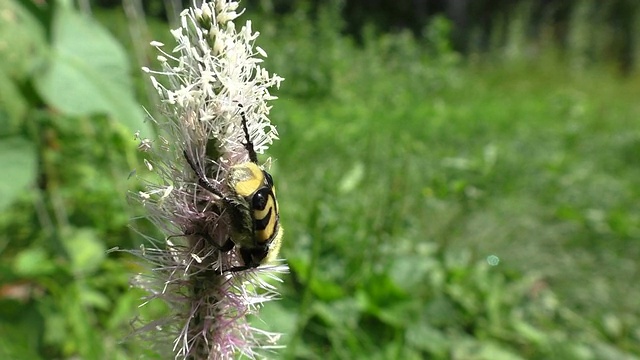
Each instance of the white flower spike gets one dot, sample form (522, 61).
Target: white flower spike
(209, 196)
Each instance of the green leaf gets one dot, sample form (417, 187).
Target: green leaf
(13, 105)
(94, 298)
(23, 41)
(86, 251)
(352, 178)
(89, 72)
(18, 164)
(21, 50)
(531, 334)
(33, 262)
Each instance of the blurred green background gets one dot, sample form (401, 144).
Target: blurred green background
(457, 180)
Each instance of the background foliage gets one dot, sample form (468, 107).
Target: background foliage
(438, 204)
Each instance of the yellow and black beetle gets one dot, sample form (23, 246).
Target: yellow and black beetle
(252, 209)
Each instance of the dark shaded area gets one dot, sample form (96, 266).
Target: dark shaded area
(473, 20)
(479, 18)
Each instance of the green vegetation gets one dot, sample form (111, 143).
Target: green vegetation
(404, 171)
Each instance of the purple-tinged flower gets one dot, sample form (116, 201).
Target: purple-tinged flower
(210, 84)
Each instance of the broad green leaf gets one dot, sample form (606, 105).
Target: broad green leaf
(18, 164)
(22, 45)
(23, 40)
(89, 72)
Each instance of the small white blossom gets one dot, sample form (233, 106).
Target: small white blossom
(207, 83)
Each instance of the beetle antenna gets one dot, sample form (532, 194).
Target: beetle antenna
(248, 144)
